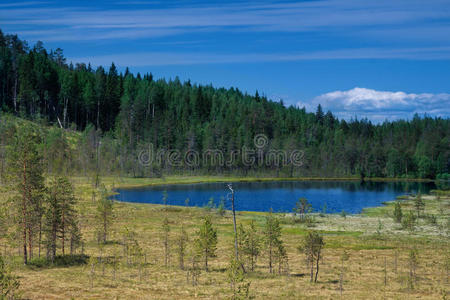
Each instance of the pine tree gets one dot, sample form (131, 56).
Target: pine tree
(105, 209)
(419, 204)
(302, 207)
(240, 287)
(68, 213)
(165, 238)
(398, 214)
(312, 248)
(409, 221)
(251, 244)
(272, 234)
(182, 245)
(26, 173)
(412, 264)
(61, 218)
(281, 257)
(206, 242)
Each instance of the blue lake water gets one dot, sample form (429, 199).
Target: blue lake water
(280, 196)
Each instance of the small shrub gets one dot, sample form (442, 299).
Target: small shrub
(431, 219)
(221, 207)
(60, 261)
(409, 221)
(323, 211)
(8, 282)
(398, 214)
(236, 277)
(210, 205)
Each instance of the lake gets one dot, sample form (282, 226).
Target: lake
(280, 196)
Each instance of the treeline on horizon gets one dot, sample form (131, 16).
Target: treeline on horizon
(117, 115)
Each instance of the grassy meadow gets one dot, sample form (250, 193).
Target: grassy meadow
(377, 268)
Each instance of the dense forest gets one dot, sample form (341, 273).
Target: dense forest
(100, 120)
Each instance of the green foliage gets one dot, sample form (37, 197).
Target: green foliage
(380, 227)
(60, 216)
(221, 208)
(165, 239)
(206, 242)
(312, 246)
(281, 257)
(409, 221)
(59, 261)
(398, 214)
(412, 264)
(272, 237)
(419, 204)
(323, 211)
(240, 287)
(303, 208)
(431, 219)
(250, 242)
(210, 205)
(9, 284)
(182, 241)
(130, 246)
(105, 209)
(25, 169)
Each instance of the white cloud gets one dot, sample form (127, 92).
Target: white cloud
(380, 105)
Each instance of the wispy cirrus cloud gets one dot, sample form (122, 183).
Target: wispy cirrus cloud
(378, 106)
(326, 16)
(143, 59)
(21, 4)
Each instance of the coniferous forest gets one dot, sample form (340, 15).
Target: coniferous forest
(111, 116)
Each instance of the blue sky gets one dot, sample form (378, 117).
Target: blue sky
(384, 59)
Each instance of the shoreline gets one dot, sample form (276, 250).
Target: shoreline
(179, 180)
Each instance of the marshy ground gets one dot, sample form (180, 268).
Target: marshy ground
(378, 248)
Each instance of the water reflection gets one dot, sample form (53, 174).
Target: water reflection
(351, 196)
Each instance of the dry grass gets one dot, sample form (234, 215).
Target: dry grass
(364, 275)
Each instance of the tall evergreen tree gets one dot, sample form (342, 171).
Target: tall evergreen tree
(26, 171)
